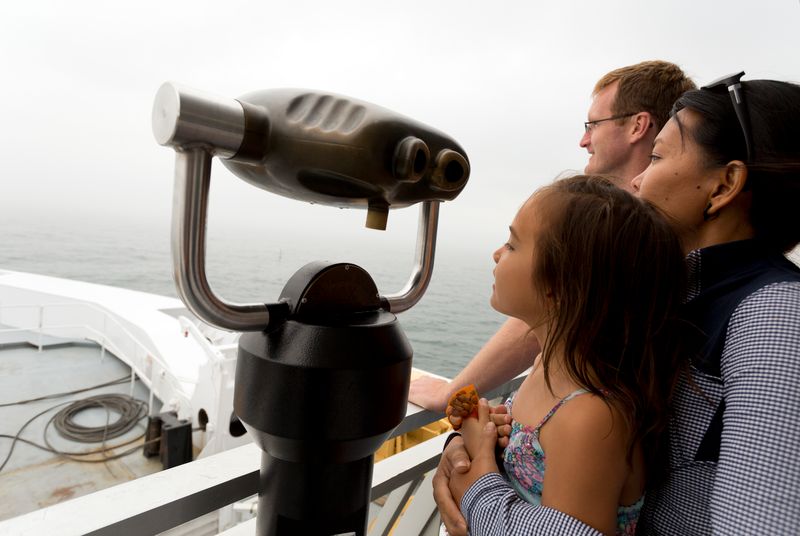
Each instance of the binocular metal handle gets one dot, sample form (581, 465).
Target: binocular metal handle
(420, 278)
(190, 203)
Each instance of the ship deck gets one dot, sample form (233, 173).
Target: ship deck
(34, 478)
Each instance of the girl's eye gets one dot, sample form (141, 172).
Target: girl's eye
(654, 157)
(509, 246)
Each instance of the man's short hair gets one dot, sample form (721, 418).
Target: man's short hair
(649, 86)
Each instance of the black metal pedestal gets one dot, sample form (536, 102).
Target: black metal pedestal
(314, 499)
(319, 393)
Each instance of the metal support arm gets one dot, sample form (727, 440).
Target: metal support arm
(190, 203)
(423, 260)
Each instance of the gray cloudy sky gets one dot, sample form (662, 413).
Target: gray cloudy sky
(510, 80)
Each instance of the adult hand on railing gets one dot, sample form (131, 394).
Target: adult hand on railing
(430, 393)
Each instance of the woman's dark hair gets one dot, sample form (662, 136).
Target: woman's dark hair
(614, 272)
(774, 167)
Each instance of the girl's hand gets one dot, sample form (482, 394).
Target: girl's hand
(498, 415)
(462, 405)
(483, 443)
(502, 420)
(471, 427)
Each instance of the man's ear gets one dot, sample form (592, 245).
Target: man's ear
(731, 181)
(641, 125)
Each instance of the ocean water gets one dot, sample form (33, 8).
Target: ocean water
(451, 322)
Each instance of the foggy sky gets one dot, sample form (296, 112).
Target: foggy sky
(510, 80)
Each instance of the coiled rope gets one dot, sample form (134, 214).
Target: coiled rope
(130, 411)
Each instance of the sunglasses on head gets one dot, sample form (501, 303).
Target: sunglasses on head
(733, 84)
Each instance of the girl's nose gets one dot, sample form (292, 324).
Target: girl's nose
(637, 182)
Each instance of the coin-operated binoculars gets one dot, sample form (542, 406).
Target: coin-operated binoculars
(322, 374)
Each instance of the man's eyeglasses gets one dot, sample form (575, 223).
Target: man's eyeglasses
(589, 125)
(734, 86)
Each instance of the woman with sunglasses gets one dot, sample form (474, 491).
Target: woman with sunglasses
(726, 170)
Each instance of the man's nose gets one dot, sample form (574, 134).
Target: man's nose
(585, 139)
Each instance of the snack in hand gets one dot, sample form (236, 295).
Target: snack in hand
(463, 404)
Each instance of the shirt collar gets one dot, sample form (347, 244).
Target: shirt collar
(693, 260)
(706, 266)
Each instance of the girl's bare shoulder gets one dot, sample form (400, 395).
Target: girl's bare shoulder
(589, 419)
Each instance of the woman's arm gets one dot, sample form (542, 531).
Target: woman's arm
(757, 484)
(492, 508)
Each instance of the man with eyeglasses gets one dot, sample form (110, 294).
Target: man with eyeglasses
(629, 107)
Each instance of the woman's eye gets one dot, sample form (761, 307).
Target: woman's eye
(654, 157)
(509, 246)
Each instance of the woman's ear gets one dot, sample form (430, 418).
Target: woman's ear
(731, 182)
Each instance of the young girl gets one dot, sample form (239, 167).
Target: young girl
(597, 275)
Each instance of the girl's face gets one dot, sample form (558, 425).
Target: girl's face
(677, 180)
(513, 292)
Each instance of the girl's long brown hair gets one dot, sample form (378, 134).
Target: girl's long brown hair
(614, 272)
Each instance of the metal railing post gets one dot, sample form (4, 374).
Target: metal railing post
(150, 399)
(41, 321)
(104, 339)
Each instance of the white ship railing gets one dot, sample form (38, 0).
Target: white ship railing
(81, 320)
(161, 501)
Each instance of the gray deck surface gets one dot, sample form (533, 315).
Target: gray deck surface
(34, 478)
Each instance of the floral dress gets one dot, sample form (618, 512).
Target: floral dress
(524, 462)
